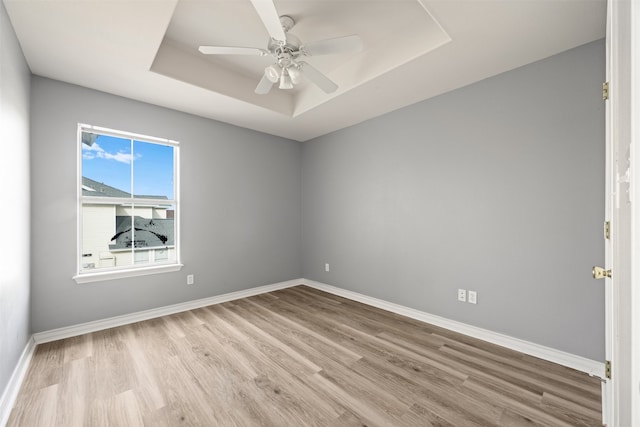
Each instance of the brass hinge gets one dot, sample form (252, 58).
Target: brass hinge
(607, 369)
(607, 230)
(605, 91)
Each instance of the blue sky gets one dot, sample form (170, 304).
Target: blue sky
(109, 160)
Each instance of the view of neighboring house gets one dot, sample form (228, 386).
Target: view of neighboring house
(110, 240)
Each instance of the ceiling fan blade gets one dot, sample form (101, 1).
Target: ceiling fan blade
(264, 86)
(231, 50)
(317, 78)
(270, 18)
(346, 44)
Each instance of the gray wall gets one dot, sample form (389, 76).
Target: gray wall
(14, 213)
(497, 187)
(240, 207)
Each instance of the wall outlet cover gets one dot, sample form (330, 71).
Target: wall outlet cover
(472, 297)
(462, 295)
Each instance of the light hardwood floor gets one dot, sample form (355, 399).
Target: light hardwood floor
(295, 357)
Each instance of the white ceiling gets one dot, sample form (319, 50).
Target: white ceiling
(413, 50)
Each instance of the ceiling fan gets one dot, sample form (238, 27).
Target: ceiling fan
(287, 50)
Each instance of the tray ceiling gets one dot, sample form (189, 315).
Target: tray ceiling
(413, 50)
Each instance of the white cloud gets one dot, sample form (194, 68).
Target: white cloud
(94, 147)
(96, 152)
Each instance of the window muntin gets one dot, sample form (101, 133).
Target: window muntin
(128, 207)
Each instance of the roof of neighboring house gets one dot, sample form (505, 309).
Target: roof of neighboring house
(147, 196)
(148, 233)
(95, 188)
(99, 189)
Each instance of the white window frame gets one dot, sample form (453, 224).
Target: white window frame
(133, 270)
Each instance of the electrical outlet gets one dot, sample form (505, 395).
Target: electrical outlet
(462, 295)
(190, 279)
(326, 267)
(473, 297)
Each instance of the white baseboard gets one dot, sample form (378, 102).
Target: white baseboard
(579, 363)
(10, 393)
(99, 325)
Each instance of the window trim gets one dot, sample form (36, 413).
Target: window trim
(130, 270)
(123, 274)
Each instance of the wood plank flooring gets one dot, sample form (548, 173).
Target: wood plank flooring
(295, 357)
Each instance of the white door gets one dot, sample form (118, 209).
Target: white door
(621, 396)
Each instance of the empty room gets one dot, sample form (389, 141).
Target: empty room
(319, 213)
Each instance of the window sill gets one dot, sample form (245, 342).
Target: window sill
(123, 274)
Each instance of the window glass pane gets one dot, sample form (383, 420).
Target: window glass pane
(100, 236)
(151, 228)
(106, 166)
(153, 171)
(140, 229)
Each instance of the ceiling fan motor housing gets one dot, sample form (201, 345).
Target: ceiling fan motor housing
(289, 47)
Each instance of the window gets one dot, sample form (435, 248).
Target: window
(128, 204)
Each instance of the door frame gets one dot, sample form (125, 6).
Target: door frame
(621, 395)
(634, 333)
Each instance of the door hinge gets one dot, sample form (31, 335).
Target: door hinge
(607, 369)
(605, 91)
(607, 230)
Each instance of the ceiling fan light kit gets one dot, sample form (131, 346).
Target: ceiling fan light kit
(272, 72)
(286, 48)
(295, 75)
(285, 80)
